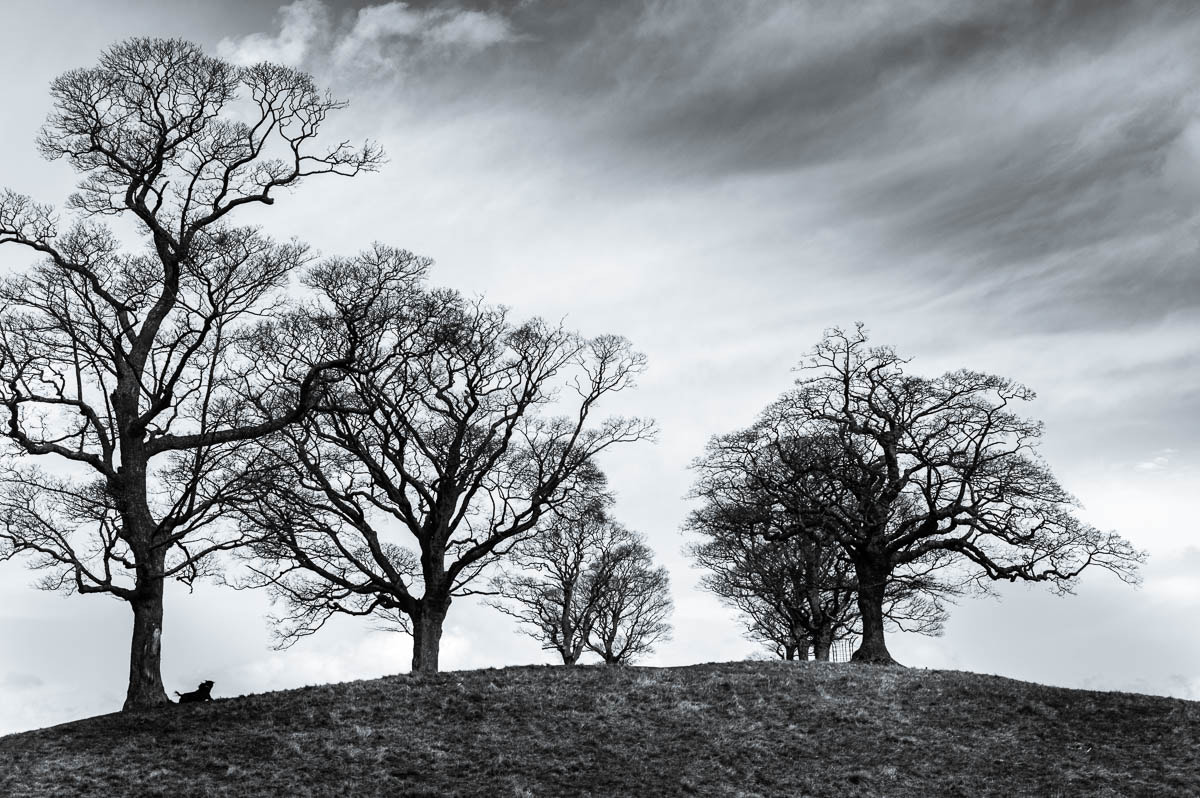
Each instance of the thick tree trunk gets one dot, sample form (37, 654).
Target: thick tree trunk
(789, 653)
(145, 654)
(872, 580)
(129, 489)
(822, 643)
(427, 636)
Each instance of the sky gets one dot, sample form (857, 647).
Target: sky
(1000, 185)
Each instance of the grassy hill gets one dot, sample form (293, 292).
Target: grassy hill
(745, 729)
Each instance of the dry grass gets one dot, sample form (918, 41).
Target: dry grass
(738, 729)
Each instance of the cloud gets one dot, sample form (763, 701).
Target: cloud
(1001, 185)
(393, 36)
(1038, 162)
(303, 24)
(387, 37)
(20, 681)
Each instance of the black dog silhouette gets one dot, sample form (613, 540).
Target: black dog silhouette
(201, 693)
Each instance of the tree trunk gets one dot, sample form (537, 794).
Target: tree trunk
(427, 636)
(800, 635)
(576, 651)
(145, 653)
(822, 642)
(789, 653)
(872, 580)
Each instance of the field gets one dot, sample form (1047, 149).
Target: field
(737, 729)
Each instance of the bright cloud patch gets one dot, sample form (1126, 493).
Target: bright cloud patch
(382, 36)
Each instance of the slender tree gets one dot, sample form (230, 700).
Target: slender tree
(633, 606)
(558, 577)
(454, 435)
(125, 370)
(898, 468)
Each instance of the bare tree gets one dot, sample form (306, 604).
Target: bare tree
(898, 468)
(130, 366)
(464, 431)
(793, 594)
(794, 586)
(633, 604)
(558, 578)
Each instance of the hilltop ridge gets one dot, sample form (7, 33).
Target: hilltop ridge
(745, 729)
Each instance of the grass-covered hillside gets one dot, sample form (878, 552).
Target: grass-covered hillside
(746, 729)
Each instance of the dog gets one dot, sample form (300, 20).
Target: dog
(201, 693)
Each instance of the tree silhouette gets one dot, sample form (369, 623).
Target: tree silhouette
(633, 606)
(456, 433)
(898, 468)
(559, 576)
(131, 368)
(794, 585)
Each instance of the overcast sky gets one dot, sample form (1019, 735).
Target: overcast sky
(1005, 186)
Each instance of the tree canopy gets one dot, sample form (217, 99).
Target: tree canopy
(456, 432)
(903, 471)
(132, 373)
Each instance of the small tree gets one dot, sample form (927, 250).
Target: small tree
(560, 576)
(441, 438)
(132, 367)
(633, 606)
(791, 594)
(898, 468)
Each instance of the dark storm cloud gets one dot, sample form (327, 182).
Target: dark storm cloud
(717, 87)
(782, 97)
(1039, 160)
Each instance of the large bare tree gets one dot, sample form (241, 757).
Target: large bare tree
(897, 468)
(125, 370)
(794, 586)
(454, 435)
